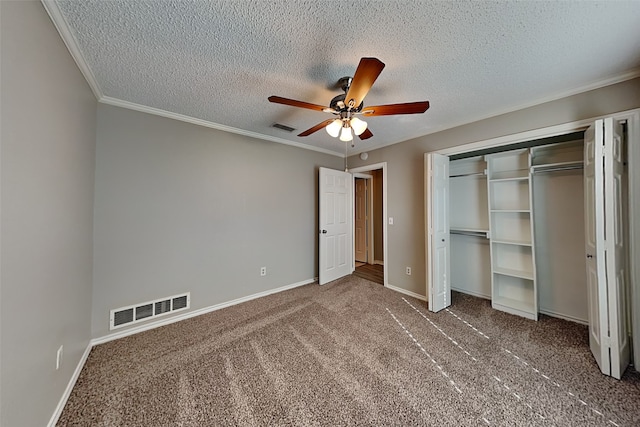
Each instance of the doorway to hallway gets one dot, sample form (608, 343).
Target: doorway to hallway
(369, 224)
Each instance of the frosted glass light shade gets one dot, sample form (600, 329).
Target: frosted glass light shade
(334, 127)
(358, 125)
(345, 135)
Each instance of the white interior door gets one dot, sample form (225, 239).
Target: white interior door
(361, 220)
(335, 245)
(615, 248)
(604, 247)
(438, 261)
(594, 244)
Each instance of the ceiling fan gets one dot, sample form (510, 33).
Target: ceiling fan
(347, 106)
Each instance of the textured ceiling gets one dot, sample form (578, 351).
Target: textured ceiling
(218, 61)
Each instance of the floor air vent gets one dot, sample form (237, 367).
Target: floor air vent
(137, 313)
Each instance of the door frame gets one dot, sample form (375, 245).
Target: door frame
(385, 244)
(632, 118)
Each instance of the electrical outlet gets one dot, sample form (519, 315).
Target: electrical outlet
(390, 220)
(408, 271)
(59, 357)
(263, 271)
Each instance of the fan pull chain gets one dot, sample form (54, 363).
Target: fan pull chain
(346, 169)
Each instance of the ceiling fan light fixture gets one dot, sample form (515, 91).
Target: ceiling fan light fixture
(346, 135)
(334, 127)
(358, 125)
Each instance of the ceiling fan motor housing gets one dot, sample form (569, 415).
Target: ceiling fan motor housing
(338, 104)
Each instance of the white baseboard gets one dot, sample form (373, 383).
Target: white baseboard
(406, 292)
(377, 262)
(563, 316)
(473, 294)
(187, 315)
(153, 325)
(72, 382)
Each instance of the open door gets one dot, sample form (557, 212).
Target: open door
(438, 262)
(335, 220)
(604, 247)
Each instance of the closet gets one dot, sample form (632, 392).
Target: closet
(516, 228)
(537, 227)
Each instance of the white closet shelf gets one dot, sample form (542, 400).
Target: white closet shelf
(512, 242)
(517, 175)
(559, 166)
(513, 273)
(511, 210)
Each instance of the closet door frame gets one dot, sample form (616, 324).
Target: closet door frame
(632, 118)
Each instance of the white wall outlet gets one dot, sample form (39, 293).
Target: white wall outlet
(408, 271)
(263, 271)
(59, 357)
(390, 220)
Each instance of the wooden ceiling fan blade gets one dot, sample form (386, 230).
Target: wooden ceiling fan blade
(316, 128)
(301, 104)
(366, 74)
(366, 134)
(390, 109)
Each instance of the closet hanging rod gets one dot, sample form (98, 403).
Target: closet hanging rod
(538, 169)
(483, 173)
(474, 233)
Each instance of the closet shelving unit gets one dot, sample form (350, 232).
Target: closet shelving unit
(513, 272)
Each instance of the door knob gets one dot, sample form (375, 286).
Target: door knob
(324, 231)
(589, 256)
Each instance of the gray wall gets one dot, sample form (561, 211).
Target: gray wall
(183, 208)
(47, 175)
(405, 166)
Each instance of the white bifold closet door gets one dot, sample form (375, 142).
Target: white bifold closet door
(604, 246)
(438, 247)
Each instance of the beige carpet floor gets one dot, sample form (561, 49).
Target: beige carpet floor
(352, 353)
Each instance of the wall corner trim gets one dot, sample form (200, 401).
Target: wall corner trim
(406, 292)
(72, 45)
(72, 382)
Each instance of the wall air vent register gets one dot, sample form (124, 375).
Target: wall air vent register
(128, 315)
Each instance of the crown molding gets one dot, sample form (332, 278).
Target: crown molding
(72, 45)
(200, 122)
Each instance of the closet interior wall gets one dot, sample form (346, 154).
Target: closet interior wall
(558, 224)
